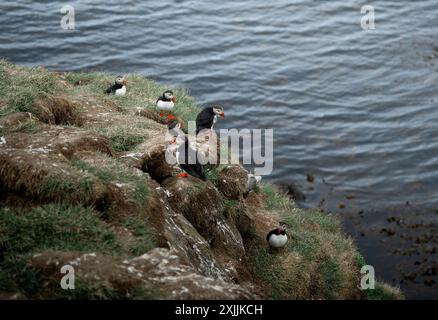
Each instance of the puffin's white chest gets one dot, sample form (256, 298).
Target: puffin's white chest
(215, 119)
(121, 91)
(165, 105)
(278, 241)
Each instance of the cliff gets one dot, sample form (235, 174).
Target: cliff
(83, 182)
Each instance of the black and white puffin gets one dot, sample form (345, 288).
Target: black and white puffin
(166, 102)
(207, 118)
(277, 238)
(185, 155)
(253, 180)
(119, 86)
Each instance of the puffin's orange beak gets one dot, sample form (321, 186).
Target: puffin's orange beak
(174, 140)
(125, 82)
(173, 99)
(222, 114)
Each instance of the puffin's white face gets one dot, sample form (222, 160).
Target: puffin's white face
(122, 81)
(219, 111)
(175, 130)
(282, 227)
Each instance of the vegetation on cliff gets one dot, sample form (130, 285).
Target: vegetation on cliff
(83, 181)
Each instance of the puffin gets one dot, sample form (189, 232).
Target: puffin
(253, 180)
(166, 102)
(119, 86)
(185, 155)
(207, 118)
(277, 238)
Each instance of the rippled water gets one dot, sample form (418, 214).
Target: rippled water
(356, 109)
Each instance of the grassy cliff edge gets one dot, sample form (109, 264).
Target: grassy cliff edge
(83, 182)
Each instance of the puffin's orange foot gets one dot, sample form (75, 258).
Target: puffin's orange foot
(170, 117)
(183, 175)
(161, 114)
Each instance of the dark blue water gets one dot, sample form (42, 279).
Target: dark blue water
(357, 109)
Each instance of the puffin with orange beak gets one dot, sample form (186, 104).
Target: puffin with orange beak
(119, 86)
(166, 102)
(208, 117)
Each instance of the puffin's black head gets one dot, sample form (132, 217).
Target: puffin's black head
(121, 80)
(172, 125)
(282, 228)
(218, 110)
(168, 96)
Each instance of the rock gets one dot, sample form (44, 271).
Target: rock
(389, 232)
(60, 140)
(429, 282)
(410, 276)
(429, 249)
(159, 271)
(154, 163)
(200, 202)
(237, 214)
(310, 177)
(232, 182)
(292, 191)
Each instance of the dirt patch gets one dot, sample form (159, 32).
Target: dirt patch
(57, 110)
(14, 119)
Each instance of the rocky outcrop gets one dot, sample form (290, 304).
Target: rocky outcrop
(161, 272)
(232, 182)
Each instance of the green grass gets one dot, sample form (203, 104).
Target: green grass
(274, 200)
(115, 172)
(231, 209)
(54, 227)
(23, 86)
(316, 237)
(29, 126)
(141, 93)
(144, 234)
(331, 278)
(317, 242)
(64, 228)
(381, 291)
(279, 283)
(68, 188)
(49, 227)
(122, 139)
(212, 174)
(21, 89)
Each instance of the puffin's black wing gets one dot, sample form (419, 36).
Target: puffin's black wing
(204, 120)
(112, 88)
(270, 234)
(188, 161)
(195, 170)
(162, 98)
